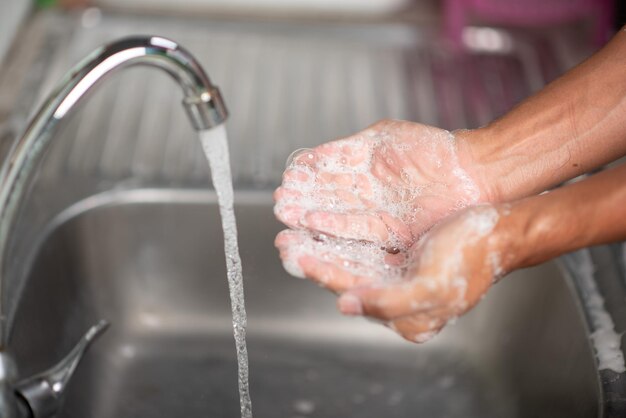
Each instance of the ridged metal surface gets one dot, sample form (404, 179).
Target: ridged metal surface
(287, 86)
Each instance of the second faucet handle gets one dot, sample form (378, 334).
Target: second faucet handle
(44, 392)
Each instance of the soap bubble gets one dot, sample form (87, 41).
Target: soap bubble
(297, 153)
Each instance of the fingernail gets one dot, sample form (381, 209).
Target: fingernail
(350, 305)
(424, 336)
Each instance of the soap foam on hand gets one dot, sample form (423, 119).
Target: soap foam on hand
(436, 274)
(364, 261)
(359, 207)
(385, 186)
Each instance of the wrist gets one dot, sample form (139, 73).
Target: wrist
(480, 158)
(505, 244)
(534, 230)
(509, 164)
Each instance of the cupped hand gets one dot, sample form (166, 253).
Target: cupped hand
(357, 208)
(385, 185)
(416, 291)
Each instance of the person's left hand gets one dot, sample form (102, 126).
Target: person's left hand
(416, 291)
(387, 184)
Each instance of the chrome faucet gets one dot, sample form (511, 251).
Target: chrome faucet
(40, 396)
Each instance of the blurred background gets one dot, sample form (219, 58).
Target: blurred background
(293, 73)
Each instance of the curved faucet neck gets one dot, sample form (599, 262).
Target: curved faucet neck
(202, 102)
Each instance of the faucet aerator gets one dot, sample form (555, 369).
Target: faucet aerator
(206, 110)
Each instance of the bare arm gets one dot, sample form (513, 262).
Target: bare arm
(575, 124)
(424, 228)
(459, 259)
(586, 213)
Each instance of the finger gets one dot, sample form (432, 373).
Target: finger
(330, 275)
(348, 152)
(383, 172)
(363, 186)
(292, 205)
(387, 158)
(287, 237)
(337, 180)
(392, 301)
(287, 241)
(337, 198)
(418, 328)
(357, 183)
(286, 194)
(290, 214)
(366, 227)
(379, 227)
(298, 175)
(303, 255)
(423, 221)
(288, 209)
(400, 229)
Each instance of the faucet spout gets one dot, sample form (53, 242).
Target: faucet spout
(205, 108)
(202, 102)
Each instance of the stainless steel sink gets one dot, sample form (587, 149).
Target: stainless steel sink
(151, 262)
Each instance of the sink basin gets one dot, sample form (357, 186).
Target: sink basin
(151, 262)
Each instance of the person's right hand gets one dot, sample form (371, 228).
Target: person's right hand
(385, 185)
(418, 291)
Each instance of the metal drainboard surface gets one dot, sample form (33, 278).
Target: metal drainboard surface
(287, 86)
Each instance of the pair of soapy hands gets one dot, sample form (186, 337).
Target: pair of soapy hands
(391, 220)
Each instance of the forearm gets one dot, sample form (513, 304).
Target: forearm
(575, 124)
(586, 213)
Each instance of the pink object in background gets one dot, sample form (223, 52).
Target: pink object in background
(528, 13)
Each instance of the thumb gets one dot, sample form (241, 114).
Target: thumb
(390, 301)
